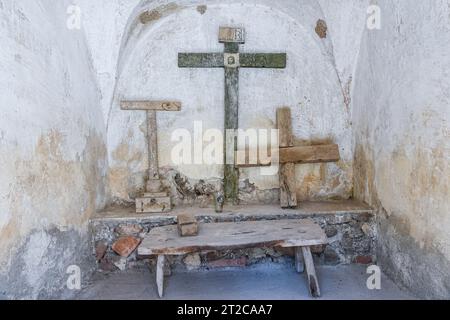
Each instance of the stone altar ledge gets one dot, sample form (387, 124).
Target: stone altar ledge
(231, 213)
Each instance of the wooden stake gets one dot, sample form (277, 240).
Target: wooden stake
(313, 284)
(160, 275)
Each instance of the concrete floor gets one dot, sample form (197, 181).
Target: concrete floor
(264, 281)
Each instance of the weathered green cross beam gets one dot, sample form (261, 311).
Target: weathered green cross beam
(231, 60)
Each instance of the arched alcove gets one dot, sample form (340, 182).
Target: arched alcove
(148, 69)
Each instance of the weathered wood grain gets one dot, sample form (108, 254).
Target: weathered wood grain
(313, 283)
(151, 105)
(152, 141)
(227, 34)
(310, 154)
(160, 274)
(288, 196)
(301, 154)
(187, 225)
(232, 235)
(263, 60)
(231, 122)
(299, 263)
(284, 126)
(200, 60)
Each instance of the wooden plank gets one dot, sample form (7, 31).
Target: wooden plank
(233, 235)
(263, 60)
(153, 183)
(310, 154)
(284, 126)
(234, 35)
(186, 219)
(299, 263)
(160, 275)
(200, 60)
(187, 225)
(288, 196)
(313, 283)
(305, 154)
(151, 105)
(231, 172)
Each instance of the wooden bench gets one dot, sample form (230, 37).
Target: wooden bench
(300, 234)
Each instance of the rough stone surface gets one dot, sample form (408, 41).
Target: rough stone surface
(363, 259)
(346, 239)
(192, 261)
(128, 230)
(321, 29)
(331, 256)
(125, 246)
(100, 249)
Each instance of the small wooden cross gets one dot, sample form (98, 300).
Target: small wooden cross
(154, 199)
(289, 155)
(231, 60)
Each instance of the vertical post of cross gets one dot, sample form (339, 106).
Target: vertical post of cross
(231, 37)
(154, 199)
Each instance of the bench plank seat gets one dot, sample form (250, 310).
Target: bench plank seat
(301, 234)
(233, 235)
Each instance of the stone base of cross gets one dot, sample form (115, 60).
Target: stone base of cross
(155, 199)
(289, 155)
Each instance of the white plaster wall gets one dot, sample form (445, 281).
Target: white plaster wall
(104, 23)
(401, 126)
(311, 85)
(52, 147)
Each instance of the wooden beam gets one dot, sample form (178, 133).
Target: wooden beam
(299, 263)
(234, 35)
(310, 154)
(305, 154)
(284, 125)
(160, 274)
(200, 60)
(151, 105)
(313, 283)
(263, 60)
(288, 196)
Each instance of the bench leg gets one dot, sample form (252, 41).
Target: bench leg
(311, 272)
(299, 264)
(160, 274)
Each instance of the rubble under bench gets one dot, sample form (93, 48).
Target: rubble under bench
(349, 225)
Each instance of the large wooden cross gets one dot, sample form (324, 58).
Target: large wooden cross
(289, 155)
(154, 199)
(231, 60)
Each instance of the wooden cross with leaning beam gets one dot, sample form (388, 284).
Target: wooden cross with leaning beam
(231, 60)
(154, 199)
(289, 155)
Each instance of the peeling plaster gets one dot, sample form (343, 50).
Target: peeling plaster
(52, 151)
(402, 154)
